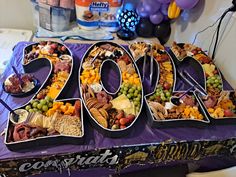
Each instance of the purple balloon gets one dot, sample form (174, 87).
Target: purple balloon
(141, 11)
(164, 9)
(156, 18)
(163, 1)
(186, 4)
(151, 6)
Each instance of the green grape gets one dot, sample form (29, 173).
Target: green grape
(126, 85)
(128, 95)
(139, 88)
(213, 78)
(50, 104)
(134, 88)
(126, 89)
(211, 81)
(118, 95)
(215, 85)
(131, 90)
(45, 108)
(43, 101)
(136, 103)
(151, 98)
(48, 98)
(125, 92)
(32, 101)
(216, 81)
(135, 94)
(28, 107)
(35, 109)
(39, 106)
(163, 98)
(220, 86)
(131, 94)
(35, 104)
(31, 110)
(168, 94)
(139, 103)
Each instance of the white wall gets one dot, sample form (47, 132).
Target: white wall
(203, 15)
(16, 14)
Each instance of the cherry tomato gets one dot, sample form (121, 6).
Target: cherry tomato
(124, 121)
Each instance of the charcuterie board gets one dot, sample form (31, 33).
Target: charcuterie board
(111, 88)
(219, 103)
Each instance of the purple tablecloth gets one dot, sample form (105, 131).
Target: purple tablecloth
(141, 133)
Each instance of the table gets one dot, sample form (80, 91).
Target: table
(116, 39)
(144, 145)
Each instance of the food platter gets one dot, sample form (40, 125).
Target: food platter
(161, 112)
(47, 120)
(111, 88)
(219, 104)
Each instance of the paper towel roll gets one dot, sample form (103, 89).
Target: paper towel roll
(68, 4)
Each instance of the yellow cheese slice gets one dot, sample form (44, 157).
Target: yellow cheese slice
(121, 102)
(130, 110)
(209, 69)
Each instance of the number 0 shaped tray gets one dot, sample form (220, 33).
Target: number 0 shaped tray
(111, 88)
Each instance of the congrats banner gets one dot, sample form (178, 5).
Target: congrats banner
(119, 157)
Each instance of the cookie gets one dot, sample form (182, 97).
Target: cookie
(104, 113)
(99, 105)
(107, 106)
(91, 103)
(99, 118)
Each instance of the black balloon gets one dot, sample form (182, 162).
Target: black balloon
(162, 31)
(145, 28)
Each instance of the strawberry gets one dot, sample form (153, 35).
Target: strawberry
(228, 113)
(63, 48)
(54, 46)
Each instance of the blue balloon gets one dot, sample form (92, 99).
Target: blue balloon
(128, 6)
